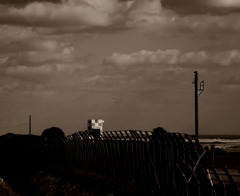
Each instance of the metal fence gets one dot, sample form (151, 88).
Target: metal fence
(160, 162)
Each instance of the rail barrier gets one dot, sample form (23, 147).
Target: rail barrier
(160, 162)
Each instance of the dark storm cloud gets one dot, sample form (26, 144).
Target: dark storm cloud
(100, 16)
(24, 2)
(186, 7)
(70, 13)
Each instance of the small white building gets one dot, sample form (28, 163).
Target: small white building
(95, 124)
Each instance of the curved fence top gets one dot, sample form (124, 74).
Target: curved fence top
(156, 136)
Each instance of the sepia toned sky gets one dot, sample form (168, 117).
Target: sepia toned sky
(128, 62)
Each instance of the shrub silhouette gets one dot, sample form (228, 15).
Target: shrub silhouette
(54, 140)
(53, 132)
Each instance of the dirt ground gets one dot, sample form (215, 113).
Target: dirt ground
(74, 182)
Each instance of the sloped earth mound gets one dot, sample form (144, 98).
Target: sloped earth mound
(5, 189)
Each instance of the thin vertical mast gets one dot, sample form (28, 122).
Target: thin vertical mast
(30, 124)
(196, 102)
(197, 92)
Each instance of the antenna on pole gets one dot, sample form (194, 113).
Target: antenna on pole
(30, 124)
(197, 93)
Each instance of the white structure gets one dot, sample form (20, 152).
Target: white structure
(95, 124)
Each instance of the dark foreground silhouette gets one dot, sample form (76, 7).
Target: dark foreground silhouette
(26, 168)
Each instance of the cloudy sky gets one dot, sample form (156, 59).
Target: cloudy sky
(128, 62)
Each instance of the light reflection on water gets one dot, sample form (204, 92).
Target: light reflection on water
(228, 145)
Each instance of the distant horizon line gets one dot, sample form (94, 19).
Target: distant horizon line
(200, 135)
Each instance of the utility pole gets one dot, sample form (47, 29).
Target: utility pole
(197, 93)
(30, 124)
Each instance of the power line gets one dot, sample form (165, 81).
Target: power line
(19, 125)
